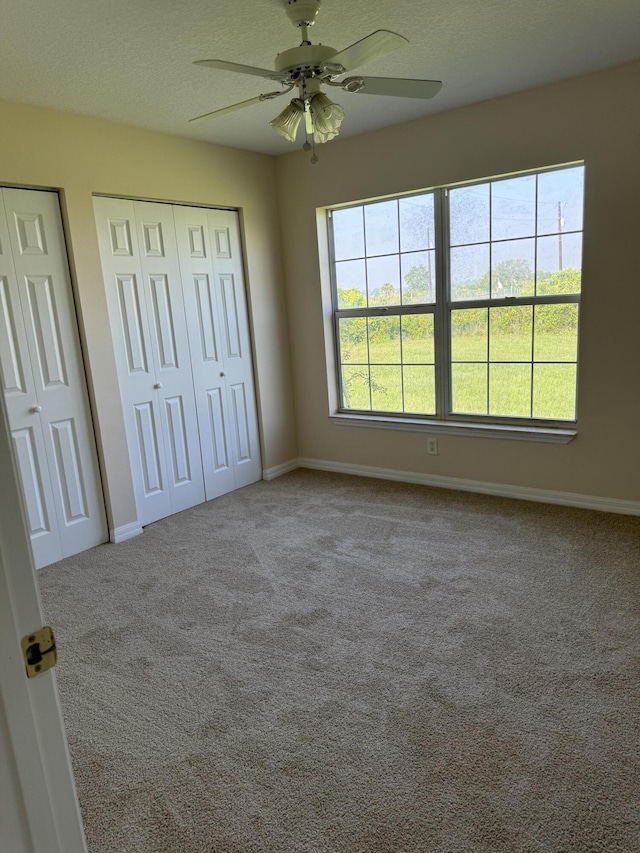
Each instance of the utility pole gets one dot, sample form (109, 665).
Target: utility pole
(560, 224)
(429, 261)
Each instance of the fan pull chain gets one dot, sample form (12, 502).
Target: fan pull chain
(307, 146)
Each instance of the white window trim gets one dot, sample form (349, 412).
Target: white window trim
(471, 429)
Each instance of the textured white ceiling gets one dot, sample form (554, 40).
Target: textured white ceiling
(131, 60)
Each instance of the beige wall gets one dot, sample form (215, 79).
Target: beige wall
(595, 118)
(81, 156)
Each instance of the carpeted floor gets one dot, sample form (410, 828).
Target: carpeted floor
(333, 664)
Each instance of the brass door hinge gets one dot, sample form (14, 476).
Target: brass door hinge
(39, 651)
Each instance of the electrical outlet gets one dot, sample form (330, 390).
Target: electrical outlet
(432, 446)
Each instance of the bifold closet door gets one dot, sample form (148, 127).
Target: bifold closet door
(146, 311)
(218, 323)
(44, 381)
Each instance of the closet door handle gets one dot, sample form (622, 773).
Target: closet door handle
(158, 385)
(35, 410)
(222, 374)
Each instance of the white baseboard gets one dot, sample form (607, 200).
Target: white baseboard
(279, 470)
(127, 531)
(525, 493)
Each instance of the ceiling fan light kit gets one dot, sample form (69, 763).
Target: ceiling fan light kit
(287, 123)
(311, 66)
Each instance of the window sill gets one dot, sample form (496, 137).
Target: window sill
(471, 430)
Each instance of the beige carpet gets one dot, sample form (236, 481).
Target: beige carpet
(340, 665)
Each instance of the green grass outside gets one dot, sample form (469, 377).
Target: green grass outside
(489, 386)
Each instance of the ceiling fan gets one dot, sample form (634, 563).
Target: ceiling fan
(309, 67)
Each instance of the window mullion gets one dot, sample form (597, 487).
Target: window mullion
(442, 327)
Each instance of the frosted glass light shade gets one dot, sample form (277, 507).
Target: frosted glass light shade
(286, 124)
(326, 117)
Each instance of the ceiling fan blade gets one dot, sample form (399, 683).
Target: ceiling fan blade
(241, 105)
(394, 86)
(222, 65)
(370, 47)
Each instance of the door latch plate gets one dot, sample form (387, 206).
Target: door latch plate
(39, 651)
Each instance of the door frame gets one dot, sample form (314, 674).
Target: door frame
(40, 776)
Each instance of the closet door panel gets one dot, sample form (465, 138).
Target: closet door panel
(43, 289)
(130, 328)
(170, 346)
(206, 348)
(232, 307)
(25, 423)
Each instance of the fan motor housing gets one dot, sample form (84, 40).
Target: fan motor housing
(302, 12)
(307, 57)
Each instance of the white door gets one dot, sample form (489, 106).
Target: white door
(144, 297)
(217, 318)
(44, 382)
(38, 806)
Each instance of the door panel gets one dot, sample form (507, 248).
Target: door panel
(230, 314)
(243, 452)
(178, 444)
(11, 355)
(45, 330)
(203, 316)
(131, 324)
(30, 466)
(238, 367)
(42, 352)
(69, 469)
(20, 396)
(170, 348)
(218, 421)
(208, 334)
(163, 319)
(129, 318)
(148, 451)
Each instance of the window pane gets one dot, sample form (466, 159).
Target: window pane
(384, 340)
(353, 340)
(348, 233)
(510, 333)
(559, 264)
(416, 223)
(386, 388)
(513, 208)
(418, 278)
(381, 224)
(351, 284)
(554, 391)
(556, 333)
(469, 214)
(383, 278)
(469, 334)
(419, 389)
(470, 272)
(510, 390)
(355, 387)
(469, 388)
(560, 200)
(512, 265)
(417, 339)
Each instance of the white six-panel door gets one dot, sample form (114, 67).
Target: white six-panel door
(43, 380)
(144, 297)
(216, 311)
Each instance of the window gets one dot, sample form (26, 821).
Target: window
(461, 304)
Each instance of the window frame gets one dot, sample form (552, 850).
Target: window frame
(445, 419)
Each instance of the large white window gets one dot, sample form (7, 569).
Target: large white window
(461, 303)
